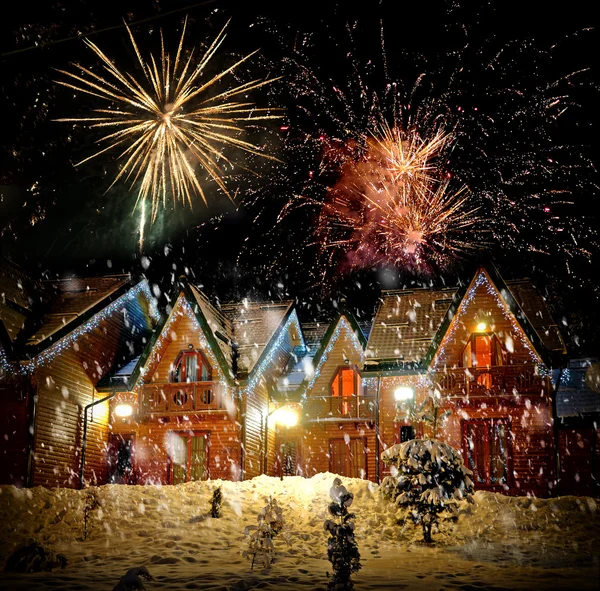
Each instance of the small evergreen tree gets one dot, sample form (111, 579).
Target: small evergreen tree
(342, 549)
(429, 478)
(216, 502)
(270, 523)
(91, 504)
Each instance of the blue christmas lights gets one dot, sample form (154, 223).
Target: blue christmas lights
(257, 372)
(71, 338)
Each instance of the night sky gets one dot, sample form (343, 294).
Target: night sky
(58, 219)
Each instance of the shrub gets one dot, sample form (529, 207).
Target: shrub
(216, 502)
(342, 549)
(270, 523)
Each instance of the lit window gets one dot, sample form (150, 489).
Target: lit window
(191, 366)
(345, 387)
(483, 351)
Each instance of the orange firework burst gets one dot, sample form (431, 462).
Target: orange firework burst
(395, 206)
(169, 121)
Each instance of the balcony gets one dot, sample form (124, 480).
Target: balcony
(490, 381)
(182, 398)
(337, 408)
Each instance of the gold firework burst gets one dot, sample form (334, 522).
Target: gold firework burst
(170, 120)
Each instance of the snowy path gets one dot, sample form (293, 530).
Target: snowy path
(506, 543)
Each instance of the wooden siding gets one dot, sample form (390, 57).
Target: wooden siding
(343, 350)
(482, 308)
(254, 416)
(182, 334)
(16, 398)
(579, 461)
(313, 446)
(64, 389)
(151, 462)
(65, 386)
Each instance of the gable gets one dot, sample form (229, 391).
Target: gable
(483, 303)
(184, 328)
(340, 347)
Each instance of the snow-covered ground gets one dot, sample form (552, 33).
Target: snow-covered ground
(499, 543)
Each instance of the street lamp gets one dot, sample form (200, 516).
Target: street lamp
(405, 400)
(284, 417)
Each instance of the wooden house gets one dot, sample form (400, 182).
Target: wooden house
(195, 404)
(481, 355)
(337, 429)
(58, 339)
(578, 415)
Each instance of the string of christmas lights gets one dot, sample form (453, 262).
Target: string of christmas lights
(342, 326)
(483, 280)
(70, 339)
(181, 308)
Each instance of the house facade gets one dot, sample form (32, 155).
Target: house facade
(96, 386)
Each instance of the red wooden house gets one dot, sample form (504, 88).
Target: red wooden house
(57, 340)
(483, 354)
(195, 404)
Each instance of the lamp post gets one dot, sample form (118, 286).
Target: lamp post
(405, 399)
(284, 417)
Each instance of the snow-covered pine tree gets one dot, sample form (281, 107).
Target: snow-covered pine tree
(216, 502)
(342, 549)
(270, 523)
(428, 477)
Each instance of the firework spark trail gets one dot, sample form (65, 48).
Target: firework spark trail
(166, 122)
(395, 207)
(503, 103)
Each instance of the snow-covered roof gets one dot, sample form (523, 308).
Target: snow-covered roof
(573, 397)
(406, 322)
(254, 324)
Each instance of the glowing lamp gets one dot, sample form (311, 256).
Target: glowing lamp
(481, 327)
(403, 393)
(285, 417)
(123, 410)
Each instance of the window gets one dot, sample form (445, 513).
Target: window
(483, 350)
(191, 366)
(407, 433)
(487, 445)
(348, 457)
(288, 459)
(345, 387)
(188, 453)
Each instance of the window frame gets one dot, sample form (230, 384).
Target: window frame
(489, 422)
(497, 351)
(337, 401)
(181, 356)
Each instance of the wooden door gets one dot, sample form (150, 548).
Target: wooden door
(188, 452)
(348, 457)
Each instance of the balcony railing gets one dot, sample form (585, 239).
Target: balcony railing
(358, 408)
(489, 381)
(182, 398)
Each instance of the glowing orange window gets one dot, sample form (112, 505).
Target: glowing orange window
(344, 389)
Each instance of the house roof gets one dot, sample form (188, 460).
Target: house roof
(536, 310)
(254, 325)
(573, 397)
(405, 324)
(19, 293)
(317, 336)
(68, 302)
